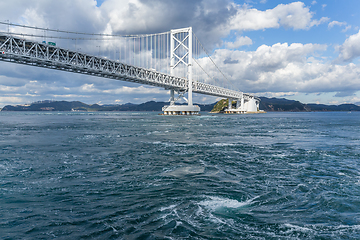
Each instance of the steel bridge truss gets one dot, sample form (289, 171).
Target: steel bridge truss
(18, 50)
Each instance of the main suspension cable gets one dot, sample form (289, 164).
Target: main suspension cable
(79, 33)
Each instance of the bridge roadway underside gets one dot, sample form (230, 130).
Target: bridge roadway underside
(21, 51)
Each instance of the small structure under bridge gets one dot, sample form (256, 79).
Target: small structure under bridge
(180, 45)
(251, 105)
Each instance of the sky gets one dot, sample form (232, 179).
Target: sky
(302, 50)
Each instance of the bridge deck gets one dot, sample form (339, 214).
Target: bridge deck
(22, 51)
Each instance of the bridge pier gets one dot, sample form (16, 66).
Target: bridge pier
(181, 110)
(172, 97)
(230, 104)
(238, 104)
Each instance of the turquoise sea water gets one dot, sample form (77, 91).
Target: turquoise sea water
(145, 176)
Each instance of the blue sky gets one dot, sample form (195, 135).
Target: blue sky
(302, 50)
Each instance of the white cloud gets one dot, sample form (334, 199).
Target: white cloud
(240, 41)
(12, 100)
(278, 94)
(346, 29)
(69, 15)
(336, 23)
(89, 88)
(355, 100)
(210, 19)
(134, 90)
(129, 16)
(294, 15)
(318, 22)
(284, 68)
(350, 49)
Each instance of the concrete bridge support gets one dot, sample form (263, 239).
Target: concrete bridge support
(230, 104)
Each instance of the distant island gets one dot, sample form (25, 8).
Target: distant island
(266, 104)
(285, 105)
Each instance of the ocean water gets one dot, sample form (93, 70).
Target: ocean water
(127, 175)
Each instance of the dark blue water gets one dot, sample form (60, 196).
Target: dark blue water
(145, 176)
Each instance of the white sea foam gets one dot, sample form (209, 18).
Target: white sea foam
(344, 227)
(167, 144)
(222, 144)
(216, 220)
(207, 209)
(3, 167)
(171, 207)
(169, 211)
(297, 228)
(214, 203)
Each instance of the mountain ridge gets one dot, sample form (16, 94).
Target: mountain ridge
(266, 104)
(80, 106)
(286, 105)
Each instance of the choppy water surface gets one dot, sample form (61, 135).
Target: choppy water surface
(145, 176)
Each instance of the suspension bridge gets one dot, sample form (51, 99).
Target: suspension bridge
(174, 60)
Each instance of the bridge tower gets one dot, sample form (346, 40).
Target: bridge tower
(181, 41)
